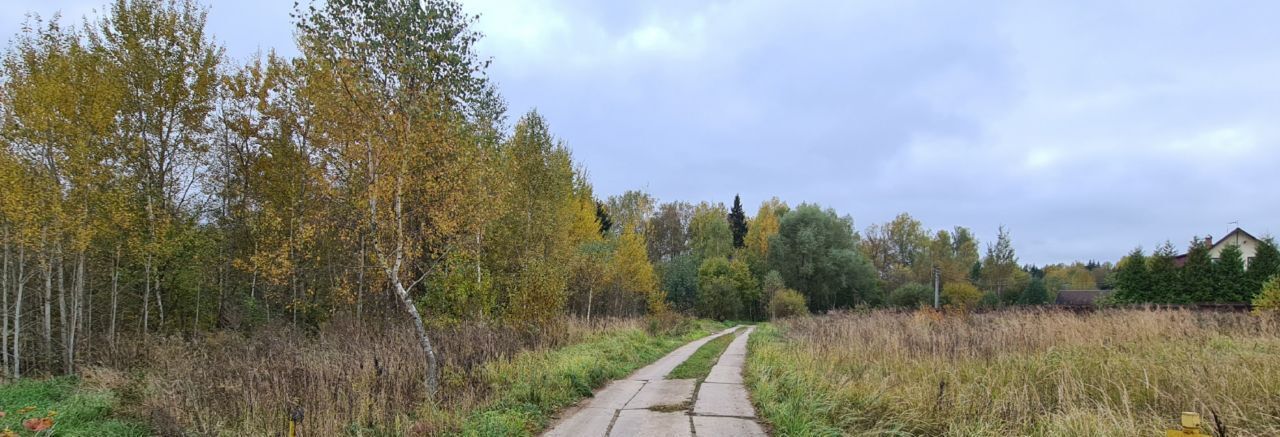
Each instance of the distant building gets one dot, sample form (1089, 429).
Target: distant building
(1248, 247)
(1079, 298)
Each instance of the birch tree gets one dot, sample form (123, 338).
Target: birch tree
(168, 71)
(63, 108)
(397, 87)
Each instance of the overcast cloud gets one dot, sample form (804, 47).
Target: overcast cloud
(1087, 128)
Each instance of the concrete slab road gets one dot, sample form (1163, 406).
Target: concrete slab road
(647, 404)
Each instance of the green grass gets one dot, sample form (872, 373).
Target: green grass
(699, 364)
(790, 400)
(532, 386)
(76, 411)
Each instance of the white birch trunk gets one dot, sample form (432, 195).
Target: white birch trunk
(17, 313)
(115, 296)
(71, 328)
(146, 294)
(4, 306)
(47, 346)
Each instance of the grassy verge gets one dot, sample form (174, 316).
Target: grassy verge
(73, 411)
(531, 387)
(791, 400)
(699, 364)
(1033, 373)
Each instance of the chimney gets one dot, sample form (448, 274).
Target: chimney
(1208, 240)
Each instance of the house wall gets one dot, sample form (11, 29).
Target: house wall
(1248, 246)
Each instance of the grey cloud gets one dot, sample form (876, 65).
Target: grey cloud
(1086, 127)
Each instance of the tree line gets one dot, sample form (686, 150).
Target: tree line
(1198, 278)
(152, 186)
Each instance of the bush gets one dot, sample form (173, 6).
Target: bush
(726, 290)
(1107, 300)
(1268, 300)
(990, 300)
(772, 283)
(1035, 293)
(680, 279)
(911, 295)
(961, 295)
(668, 323)
(787, 303)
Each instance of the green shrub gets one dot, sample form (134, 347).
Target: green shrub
(911, 295)
(961, 295)
(787, 303)
(669, 323)
(1107, 300)
(990, 300)
(726, 290)
(1035, 293)
(1268, 300)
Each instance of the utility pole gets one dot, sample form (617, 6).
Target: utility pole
(937, 283)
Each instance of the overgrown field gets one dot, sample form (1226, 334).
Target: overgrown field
(346, 380)
(1023, 372)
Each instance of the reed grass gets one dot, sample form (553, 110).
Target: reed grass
(1019, 372)
(350, 379)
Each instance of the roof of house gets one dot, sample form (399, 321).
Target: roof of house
(1233, 232)
(1182, 258)
(1078, 297)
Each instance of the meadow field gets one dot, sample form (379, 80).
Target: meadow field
(1019, 372)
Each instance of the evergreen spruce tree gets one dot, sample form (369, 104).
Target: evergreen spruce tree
(1164, 274)
(1197, 275)
(1035, 293)
(1265, 264)
(1229, 281)
(1133, 284)
(737, 222)
(606, 224)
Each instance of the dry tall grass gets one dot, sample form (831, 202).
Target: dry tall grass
(1026, 372)
(342, 380)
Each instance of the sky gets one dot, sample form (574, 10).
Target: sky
(1086, 128)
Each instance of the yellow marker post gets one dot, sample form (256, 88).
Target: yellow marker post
(1190, 426)
(295, 418)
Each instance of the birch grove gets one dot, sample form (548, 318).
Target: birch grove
(153, 187)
